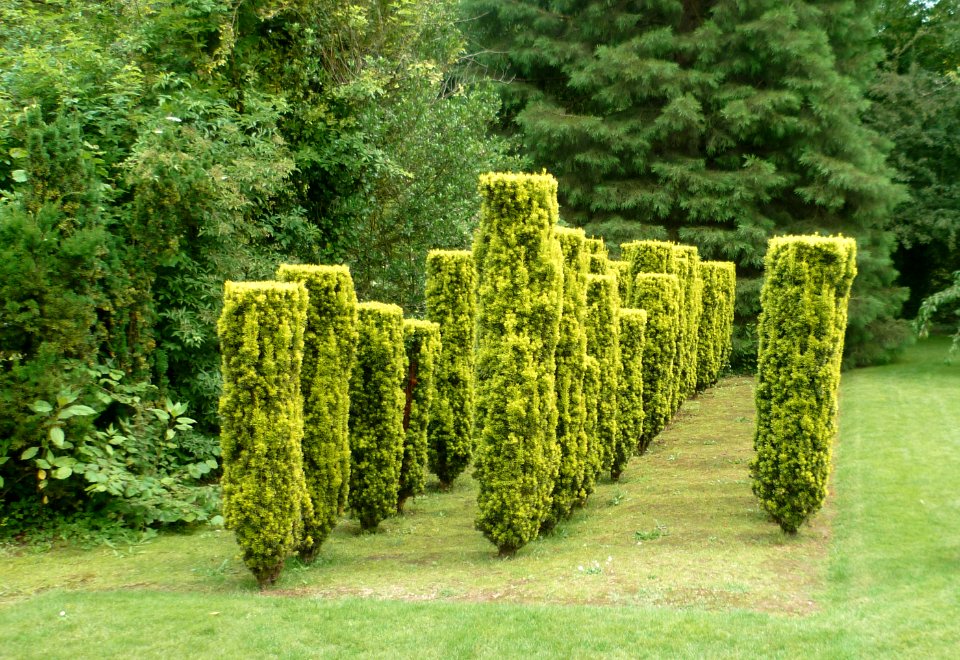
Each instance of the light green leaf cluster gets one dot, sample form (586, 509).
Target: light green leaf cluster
(591, 394)
(599, 257)
(716, 322)
(622, 270)
(376, 413)
(330, 342)
(633, 326)
(421, 342)
(452, 304)
(570, 487)
(265, 496)
(801, 327)
(648, 257)
(691, 294)
(659, 295)
(603, 343)
(520, 295)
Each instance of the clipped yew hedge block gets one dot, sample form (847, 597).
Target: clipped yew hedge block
(633, 328)
(801, 328)
(452, 305)
(603, 343)
(659, 295)
(716, 320)
(421, 341)
(599, 260)
(621, 269)
(687, 262)
(647, 257)
(376, 413)
(571, 354)
(520, 296)
(265, 496)
(330, 344)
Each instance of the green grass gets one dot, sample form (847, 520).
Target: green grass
(676, 560)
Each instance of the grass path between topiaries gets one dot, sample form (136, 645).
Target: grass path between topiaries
(676, 559)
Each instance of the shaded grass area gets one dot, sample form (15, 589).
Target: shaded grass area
(674, 561)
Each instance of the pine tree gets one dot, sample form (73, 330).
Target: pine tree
(716, 124)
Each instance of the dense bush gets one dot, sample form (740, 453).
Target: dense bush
(421, 342)
(599, 257)
(520, 295)
(261, 410)
(571, 355)
(376, 413)
(622, 270)
(330, 344)
(591, 399)
(633, 326)
(688, 270)
(451, 303)
(716, 321)
(659, 295)
(603, 343)
(801, 326)
(648, 257)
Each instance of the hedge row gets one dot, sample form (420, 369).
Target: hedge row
(801, 329)
(520, 295)
(603, 343)
(633, 326)
(716, 323)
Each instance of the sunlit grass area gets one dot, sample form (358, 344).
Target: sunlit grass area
(676, 559)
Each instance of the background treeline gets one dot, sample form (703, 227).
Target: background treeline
(151, 151)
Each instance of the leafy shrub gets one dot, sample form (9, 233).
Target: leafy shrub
(599, 258)
(570, 356)
(633, 326)
(376, 413)
(603, 343)
(451, 303)
(591, 397)
(265, 497)
(520, 295)
(329, 351)
(622, 270)
(716, 320)
(659, 295)
(648, 257)
(421, 341)
(938, 305)
(801, 326)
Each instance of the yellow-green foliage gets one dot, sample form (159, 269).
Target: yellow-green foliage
(659, 295)
(603, 343)
(376, 413)
(329, 350)
(622, 270)
(570, 355)
(421, 341)
(691, 295)
(599, 259)
(452, 304)
(591, 396)
(261, 421)
(647, 257)
(716, 322)
(520, 289)
(633, 327)
(801, 329)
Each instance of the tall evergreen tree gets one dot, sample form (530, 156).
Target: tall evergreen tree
(715, 123)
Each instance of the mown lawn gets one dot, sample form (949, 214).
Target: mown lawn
(676, 560)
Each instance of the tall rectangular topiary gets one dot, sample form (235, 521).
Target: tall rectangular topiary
(376, 413)
(571, 354)
(599, 259)
(421, 341)
(261, 421)
(716, 320)
(801, 329)
(691, 295)
(452, 304)
(647, 257)
(520, 289)
(659, 295)
(330, 344)
(633, 327)
(603, 343)
(622, 270)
